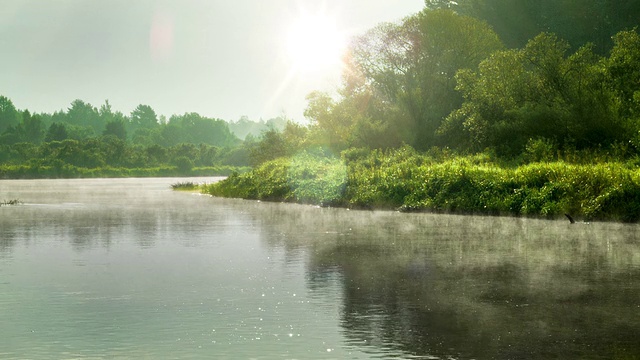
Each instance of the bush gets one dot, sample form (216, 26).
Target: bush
(184, 164)
(409, 181)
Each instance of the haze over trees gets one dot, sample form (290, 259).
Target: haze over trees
(473, 75)
(520, 80)
(83, 136)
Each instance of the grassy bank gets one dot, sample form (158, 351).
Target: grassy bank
(70, 171)
(403, 179)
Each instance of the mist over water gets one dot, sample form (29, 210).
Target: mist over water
(128, 268)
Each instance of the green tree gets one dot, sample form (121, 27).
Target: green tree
(115, 128)
(623, 72)
(105, 112)
(578, 21)
(446, 42)
(56, 132)
(114, 150)
(84, 115)
(143, 117)
(536, 92)
(184, 164)
(9, 116)
(272, 146)
(30, 128)
(196, 129)
(157, 154)
(399, 84)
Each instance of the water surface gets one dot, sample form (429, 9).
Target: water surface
(127, 268)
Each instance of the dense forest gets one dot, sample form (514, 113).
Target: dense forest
(88, 141)
(491, 106)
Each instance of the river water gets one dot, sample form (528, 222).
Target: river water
(128, 268)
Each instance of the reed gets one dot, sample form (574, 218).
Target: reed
(186, 185)
(11, 202)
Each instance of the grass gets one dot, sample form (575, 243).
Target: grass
(408, 181)
(36, 171)
(11, 202)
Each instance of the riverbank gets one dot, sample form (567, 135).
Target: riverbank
(405, 180)
(67, 171)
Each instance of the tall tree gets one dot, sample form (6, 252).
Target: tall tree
(143, 116)
(30, 128)
(83, 114)
(406, 71)
(537, 92)
(115, 128)
(9, 116)
(577, 21)
(56, 132)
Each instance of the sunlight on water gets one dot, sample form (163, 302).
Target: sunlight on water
(130, 269)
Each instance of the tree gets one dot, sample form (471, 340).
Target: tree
(56, 132)
(536, 92)
(446, 42)
(197, 129)
(143, 117)
(115, 128)
(577, 21)
(272, 146)
(30, 128)
(623, 72)
(9, 116)
(399, 83)
(82, 114)
(105, 112)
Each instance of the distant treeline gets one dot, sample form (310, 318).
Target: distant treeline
(64, 143)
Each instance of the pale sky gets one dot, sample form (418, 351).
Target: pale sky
(219, 58)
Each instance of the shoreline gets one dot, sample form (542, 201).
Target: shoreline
(414, 183)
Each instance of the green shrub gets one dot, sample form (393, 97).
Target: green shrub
(407, 180)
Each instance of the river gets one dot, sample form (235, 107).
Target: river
(128, 268)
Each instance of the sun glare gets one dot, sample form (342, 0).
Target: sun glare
(315, 43)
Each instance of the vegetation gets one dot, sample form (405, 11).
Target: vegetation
(88, 142)
(471, 106)
(483, 106)
(186, 185)
(406, 180)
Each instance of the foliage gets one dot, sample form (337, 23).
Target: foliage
(275, 144)
(410, 181)
(537, 92)
(578, 21)
(245, 127)
(8, 114)
(312, 178)
(59, 169)
(66, 143)
(185, 185)
(72, 157)
(399, 81)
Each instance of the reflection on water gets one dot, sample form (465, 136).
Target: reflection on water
(473, 287)
(127, 268)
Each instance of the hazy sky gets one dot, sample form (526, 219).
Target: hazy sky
(220, 58)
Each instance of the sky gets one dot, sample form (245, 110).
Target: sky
(220, 58)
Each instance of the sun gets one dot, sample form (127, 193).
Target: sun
(315, 43)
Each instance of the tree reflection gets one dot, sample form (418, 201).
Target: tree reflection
(483, 311)
(7, 241)
(471, 287)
